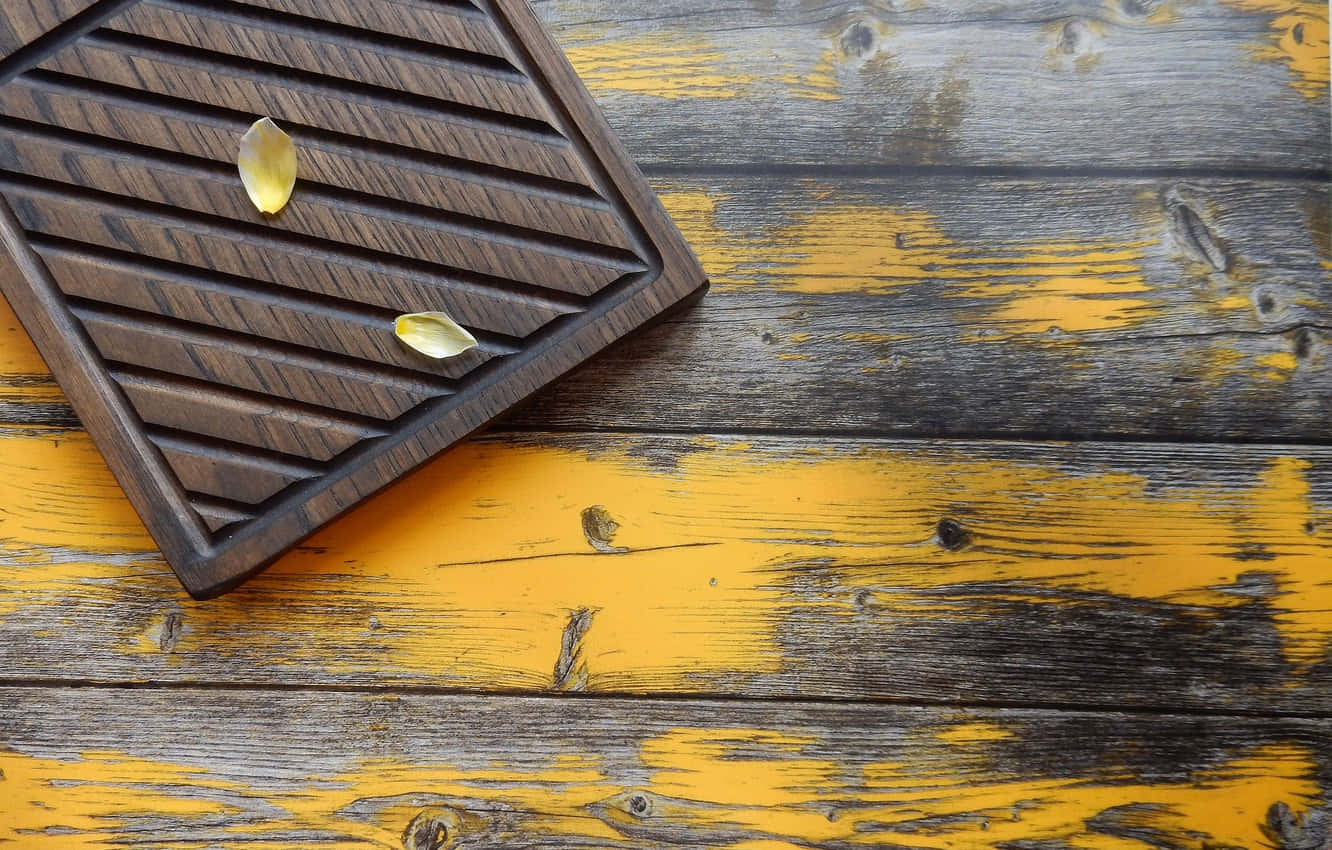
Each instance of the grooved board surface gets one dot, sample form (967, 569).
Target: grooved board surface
(239, 371)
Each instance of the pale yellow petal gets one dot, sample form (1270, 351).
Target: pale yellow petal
(433, 334)
(267, 163)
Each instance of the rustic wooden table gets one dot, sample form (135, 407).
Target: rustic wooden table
(985, 502)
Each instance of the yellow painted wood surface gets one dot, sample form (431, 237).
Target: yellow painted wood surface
(1159, 612)
(345, 770)
(720, 565)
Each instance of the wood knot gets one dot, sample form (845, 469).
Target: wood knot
(1139, 8)
(1288, 831)
(857, 40)
(1302, 342)
(570, 665)
(599, 528)
(640, 805)
(172, 627)
(432, 829)
(1075, 39)
(643, 815)
(951, 535)
(1297, 33)
(1192, 234)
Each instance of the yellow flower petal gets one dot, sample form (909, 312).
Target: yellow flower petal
(267, 163)
(433, 334)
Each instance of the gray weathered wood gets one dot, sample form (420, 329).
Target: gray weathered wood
(353, 770)
(1015, 83)
(1191, 309)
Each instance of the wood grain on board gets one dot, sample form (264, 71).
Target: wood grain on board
(126, 243)
(425, 772)
(1028, 219)
(987, 572)
(1142, 308)
(1041, 84)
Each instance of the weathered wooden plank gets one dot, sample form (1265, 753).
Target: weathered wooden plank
(1190, 310)
(95, 767)
(1196, 309)
(1034, 573)
(1221, 83)
(1217, 83)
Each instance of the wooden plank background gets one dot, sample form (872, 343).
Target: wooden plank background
(815, 564)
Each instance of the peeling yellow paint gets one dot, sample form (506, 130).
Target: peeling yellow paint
(731, 787)
(696, 214)
(1218, 363)
(673, 64)
(1233, 302)
(728, 786)
(667, 65)
(727, 766)
(817, 83)
(874, 338)
(1070, 304)
(1298, 38)
(965, 733)
(471, 569)
(91, 798)
(1306, 596)
(1283, 360)
(46, 510)
(102, 794)
(861, 247)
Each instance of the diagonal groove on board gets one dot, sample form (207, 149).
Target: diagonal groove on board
(133, 325)
(223, 300)
(459, 24)
(63, 35)
(350, 36)
(423, 271)
(326, 85)
(217, 513)
(293, 466)
(52, 138)
(431, 162)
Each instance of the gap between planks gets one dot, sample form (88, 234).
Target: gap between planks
(1052, 174)
(693, 699)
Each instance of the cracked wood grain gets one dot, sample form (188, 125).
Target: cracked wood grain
(1011, 84)
(969, 571)
(419, 771)
(571, 667)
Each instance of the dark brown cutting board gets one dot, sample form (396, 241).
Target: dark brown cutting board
(239, 372)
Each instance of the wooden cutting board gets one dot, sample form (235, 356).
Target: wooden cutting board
(239, 372)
